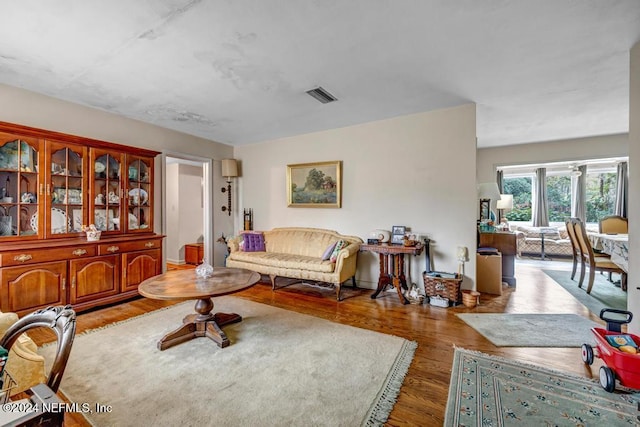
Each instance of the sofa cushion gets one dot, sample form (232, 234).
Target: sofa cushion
(307, 242)
(298, 262)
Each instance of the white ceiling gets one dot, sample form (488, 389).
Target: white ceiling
(237, 71)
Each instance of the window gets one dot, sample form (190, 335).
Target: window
(559, 197)
(520, 187)
(601, 194)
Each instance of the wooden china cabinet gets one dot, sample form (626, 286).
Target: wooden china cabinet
(51, 184)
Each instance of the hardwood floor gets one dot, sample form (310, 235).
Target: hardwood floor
(423, 396)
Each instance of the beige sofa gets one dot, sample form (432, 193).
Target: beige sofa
(297, 253)
(25, 365)
(556, 243)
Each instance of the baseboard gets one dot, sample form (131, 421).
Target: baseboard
(177, 262)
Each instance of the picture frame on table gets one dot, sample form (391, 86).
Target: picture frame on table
(314, 185)
(398, 229)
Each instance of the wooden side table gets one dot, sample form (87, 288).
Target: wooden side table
(392, 266)
(194, 253)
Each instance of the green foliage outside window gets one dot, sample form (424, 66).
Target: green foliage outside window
(559, 197)
(600, 197)
(521, 190)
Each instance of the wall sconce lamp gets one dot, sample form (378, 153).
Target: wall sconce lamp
(229, 170)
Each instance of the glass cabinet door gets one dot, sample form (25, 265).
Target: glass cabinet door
(139, 193)
(107, 191)
(66, 189)
(20, 184)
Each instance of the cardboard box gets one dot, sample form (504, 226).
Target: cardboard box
(489, 274)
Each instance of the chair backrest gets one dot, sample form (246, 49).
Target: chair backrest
(613, 224)
(62, 319)
(571, 232)
(584, 244)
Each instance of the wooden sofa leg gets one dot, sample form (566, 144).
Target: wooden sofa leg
(273, 281)
(353, 281)
(337, 285)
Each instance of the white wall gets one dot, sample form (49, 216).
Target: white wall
(596, 147)
(184, 210)
(634, 190)
(191, 206)
(31, 109)
(417, 170)
(172, 222)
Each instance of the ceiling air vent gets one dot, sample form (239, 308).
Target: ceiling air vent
(322, 95)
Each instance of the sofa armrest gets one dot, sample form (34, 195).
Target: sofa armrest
(350, 250)
(233, 244)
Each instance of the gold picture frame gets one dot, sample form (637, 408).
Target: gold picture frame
(315, 185)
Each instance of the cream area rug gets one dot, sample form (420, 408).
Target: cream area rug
(281, 369)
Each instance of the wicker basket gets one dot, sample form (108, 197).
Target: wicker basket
(470, 298)
(443, 286)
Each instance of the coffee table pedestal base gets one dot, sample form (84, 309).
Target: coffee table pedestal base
(203, 324)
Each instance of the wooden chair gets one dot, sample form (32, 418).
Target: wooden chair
(575, 247)
(588, 258)
(613, 224)
(62, 320)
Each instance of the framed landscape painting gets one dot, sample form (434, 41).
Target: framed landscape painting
(315, 185)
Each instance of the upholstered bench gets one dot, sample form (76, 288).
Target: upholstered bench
(299, 253)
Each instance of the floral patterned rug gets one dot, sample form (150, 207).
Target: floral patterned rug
(492, 391)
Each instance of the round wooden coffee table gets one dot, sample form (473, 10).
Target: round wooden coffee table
(185, 285)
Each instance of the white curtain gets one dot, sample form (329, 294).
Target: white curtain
(540, 205)
(622, 190)
(579, 195)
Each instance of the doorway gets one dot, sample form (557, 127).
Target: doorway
(186, 205)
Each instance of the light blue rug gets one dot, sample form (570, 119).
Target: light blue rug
(532, 330)
(604, 294)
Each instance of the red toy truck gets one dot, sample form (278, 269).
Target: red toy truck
(619, 352)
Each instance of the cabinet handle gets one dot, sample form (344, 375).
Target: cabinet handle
(48, 189)
(22, 257)
(79, 252)
(64, 283)
(41, 189)
(149, 244)
(113, 249)
(73, 283)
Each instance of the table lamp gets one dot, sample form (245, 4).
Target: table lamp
(487, 191)
(505, 203)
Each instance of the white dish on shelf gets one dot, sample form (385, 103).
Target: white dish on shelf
(99, 167)
(58, 221)
(141, 194)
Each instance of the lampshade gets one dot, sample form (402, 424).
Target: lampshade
(505, 202)
(229, 168)
(488, 190)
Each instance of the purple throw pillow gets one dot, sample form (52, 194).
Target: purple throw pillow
(328, 251)
(253, 242)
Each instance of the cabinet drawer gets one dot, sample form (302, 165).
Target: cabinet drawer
(44, 255)
(118, 247)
